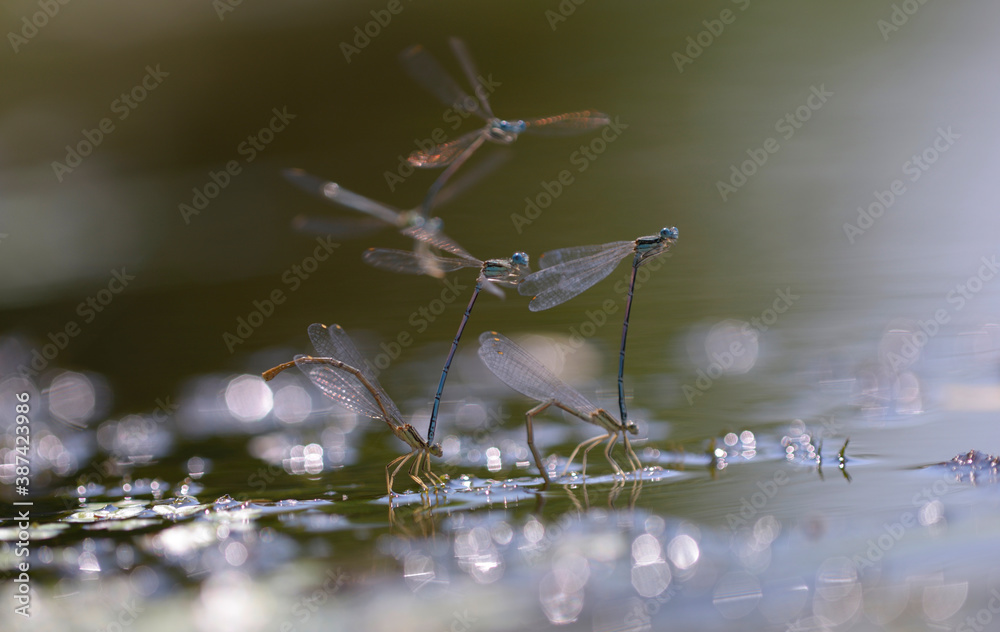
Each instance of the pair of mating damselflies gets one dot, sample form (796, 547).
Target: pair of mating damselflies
(566, 273)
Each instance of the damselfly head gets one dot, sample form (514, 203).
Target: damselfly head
(505, 132)
(513, 127)
(519, 259)
(631, 427)
(411, 219)
(435, 449)
(414, 219)
(669, 233)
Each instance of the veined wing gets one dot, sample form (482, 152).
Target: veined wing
(342, 387)
(333, 342)
(567, 124)
(437, 239)
(556, 285)
(521, 371)
(471, 73)
(425, 70)
(445, 153)
(562, 255)
(409, 262)
(338, 194)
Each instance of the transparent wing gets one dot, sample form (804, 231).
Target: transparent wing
(471, 72)
(338, 194)
(429, 264)
(567, 124)
(445, 153)
(409, 262)
(521, 371)
(430, 199)
(472, 176)
(556, 285)
(425, 70)
(562, 255)
(346, 227)
(341, 386)
(437, 239)
(490, 287)
(333, 342)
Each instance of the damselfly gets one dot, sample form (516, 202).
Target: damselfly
(567, 272)
(493, 274)
(521, 371)
(379, 214)
(344, 376)
(426, 71)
